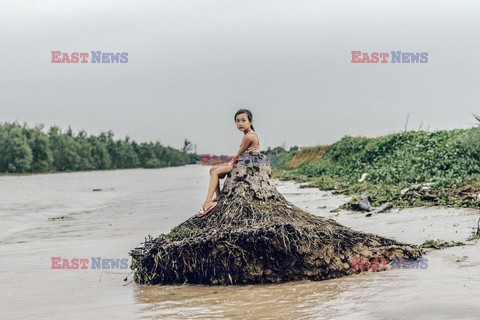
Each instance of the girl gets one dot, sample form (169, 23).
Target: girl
(250, 144)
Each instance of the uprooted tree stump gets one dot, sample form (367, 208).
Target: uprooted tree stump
(254, 235)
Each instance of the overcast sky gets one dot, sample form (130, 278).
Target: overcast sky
(192, 64)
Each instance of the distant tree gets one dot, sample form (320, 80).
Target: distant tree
(187, 146)
(15, 153)
(99, 154)
(191, 151)
(278, 150)
(25, 149)
(65, 152)
(122, 154)
(41, 151)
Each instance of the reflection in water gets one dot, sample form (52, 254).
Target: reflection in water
(295, 300)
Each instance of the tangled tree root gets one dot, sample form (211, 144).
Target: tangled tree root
(254, 235)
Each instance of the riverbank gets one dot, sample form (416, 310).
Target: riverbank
(408, 169)
(26, 149)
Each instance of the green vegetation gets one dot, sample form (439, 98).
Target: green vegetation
(473, 237)
(437, 244)
(177, 233)
(415, 168)
(193, 157)
(30, 150)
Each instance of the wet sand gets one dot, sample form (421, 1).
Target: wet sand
(135, 203)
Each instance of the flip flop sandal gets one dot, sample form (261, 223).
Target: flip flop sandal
(204, 211)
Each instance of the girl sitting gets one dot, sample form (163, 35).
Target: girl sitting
(250, 144)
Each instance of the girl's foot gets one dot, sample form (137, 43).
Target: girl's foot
(207, 204)
(206, 208)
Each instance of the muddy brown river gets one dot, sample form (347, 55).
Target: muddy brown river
(59, 215)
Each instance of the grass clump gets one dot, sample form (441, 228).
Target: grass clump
(437, 244)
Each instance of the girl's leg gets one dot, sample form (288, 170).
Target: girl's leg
(217, 190)
(214, 184)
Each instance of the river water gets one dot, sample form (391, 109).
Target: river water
(59, 215)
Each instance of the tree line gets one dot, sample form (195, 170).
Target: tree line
(25, 149)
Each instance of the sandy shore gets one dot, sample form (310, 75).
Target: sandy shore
(413, 225)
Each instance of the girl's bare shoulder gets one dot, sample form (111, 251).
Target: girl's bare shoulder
(249, 137)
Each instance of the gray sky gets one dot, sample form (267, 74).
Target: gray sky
(192, 64)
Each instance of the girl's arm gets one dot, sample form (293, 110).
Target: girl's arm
(246, 142)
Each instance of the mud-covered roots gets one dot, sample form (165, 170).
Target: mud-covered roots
(254, 235)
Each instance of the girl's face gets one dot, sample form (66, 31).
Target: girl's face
(242, 122)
